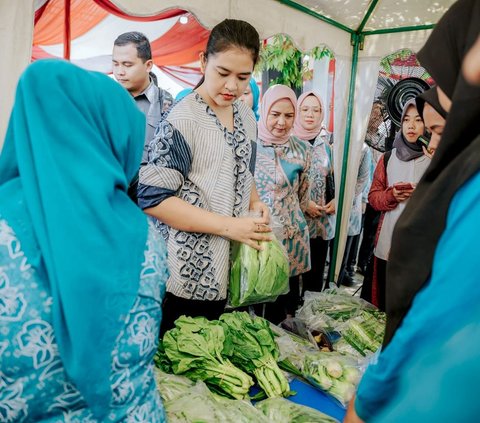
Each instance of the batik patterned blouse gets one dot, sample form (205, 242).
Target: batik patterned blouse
(195, 158)
(324, 225)
(363, 176)
(33, 384)
(281, 176)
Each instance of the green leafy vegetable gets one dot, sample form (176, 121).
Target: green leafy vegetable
(258, 276)
(250, 344)
(195, 347)
(281, 410)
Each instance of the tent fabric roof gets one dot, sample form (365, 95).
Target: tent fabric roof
(386, 14)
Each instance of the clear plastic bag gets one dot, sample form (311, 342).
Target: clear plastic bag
(325, 310)
(281, 410)
(258, 276)
(335, 374)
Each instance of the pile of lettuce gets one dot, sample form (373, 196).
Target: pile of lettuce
(225, 354)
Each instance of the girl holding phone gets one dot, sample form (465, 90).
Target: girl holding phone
(394, 181)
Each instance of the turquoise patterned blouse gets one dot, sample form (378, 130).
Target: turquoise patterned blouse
(281, 176)
(33, 384)
(322, 164)
(363, 177)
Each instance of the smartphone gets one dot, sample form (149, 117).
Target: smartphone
(423, 141)
(403, 186)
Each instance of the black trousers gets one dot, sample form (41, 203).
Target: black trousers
(367, 285)
(313, 280)
(277, 311)
(370, 225)
(380, 278)
(173, 307)
(346, 254)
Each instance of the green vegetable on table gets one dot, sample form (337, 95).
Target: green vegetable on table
(258, 276)
(333, 373)
(250, 345)
(195, 347)
(281, 410)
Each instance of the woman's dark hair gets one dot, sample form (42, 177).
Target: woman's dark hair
(232, 33)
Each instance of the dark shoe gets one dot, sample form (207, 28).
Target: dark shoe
(348, 281)
(361, 269)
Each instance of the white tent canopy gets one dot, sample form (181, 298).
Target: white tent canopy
(359, 33)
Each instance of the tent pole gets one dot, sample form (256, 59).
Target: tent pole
(356, 40)
(67, 36)
(399, 29)
(365, 19)
(310, 12)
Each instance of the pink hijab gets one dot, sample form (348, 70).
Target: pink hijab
(271, 96)
(298, 129)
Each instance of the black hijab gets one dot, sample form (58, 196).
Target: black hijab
(456, 160)
(431, 97)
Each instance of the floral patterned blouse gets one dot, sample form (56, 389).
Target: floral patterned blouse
(322, 164)
(33, 384)
(281, 176)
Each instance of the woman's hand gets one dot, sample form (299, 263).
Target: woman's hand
(402, 195)
(351, 416)
(263, 210)
(313, 210)
(248, 230)
(330, 207)
(429, 152)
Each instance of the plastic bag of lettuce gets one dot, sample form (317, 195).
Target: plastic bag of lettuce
(258, 276)
(280, 410)
(189, 402)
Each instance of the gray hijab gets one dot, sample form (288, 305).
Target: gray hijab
(405, 150)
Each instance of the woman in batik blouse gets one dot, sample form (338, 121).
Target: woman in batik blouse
(197, 179)
(281, 175)
(321, 208)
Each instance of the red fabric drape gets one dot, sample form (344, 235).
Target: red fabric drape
(181, 45)
(39, 12)
(114, 10)
(186, 75)
(49, 30)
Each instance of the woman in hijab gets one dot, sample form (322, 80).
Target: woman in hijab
(82, 276)
(251, 96)
(433, 268)
(434, 117)
(282, 178)
(394, 180)
(320, 213)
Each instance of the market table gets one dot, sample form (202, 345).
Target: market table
(311, 397)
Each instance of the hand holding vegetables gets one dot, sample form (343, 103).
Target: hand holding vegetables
(258, 276)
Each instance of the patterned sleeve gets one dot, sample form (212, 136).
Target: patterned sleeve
(304, 188)
(166, 164)
(363, 173)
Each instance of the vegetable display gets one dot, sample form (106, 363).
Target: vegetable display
(356, 326)
(189, 402)
(280, 410)
(335, 374)
(195, 347)
(258, 276)
(250, 345)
